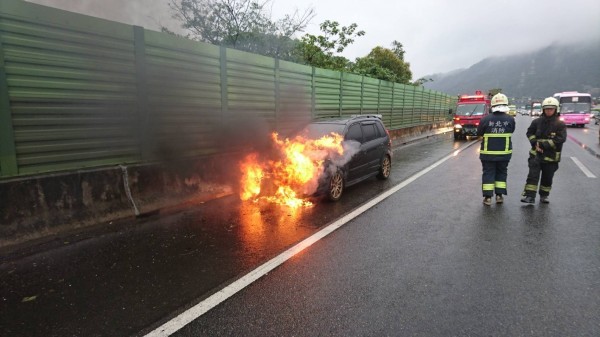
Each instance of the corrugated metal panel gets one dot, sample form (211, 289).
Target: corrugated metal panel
(370, 95)
(327, 93)
(397, 106)
(8, 161)
(72, 93)
(351, 99)
(419, 106)
(251, 103)
(418, 117)
(409, 107)
(429, 105)
(385, 102)
(184, 96)
(412, 118)
(19, 9)
(250, 84)
(295, 89)
(431, 109)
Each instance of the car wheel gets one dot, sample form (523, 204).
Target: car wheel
(386, 168)
(336, 186)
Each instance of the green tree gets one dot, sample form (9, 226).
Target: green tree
(320, 50)
(398, 49)
(241, 24)
(385, 64)
(422, 81)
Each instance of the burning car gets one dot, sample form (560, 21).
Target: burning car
(323, 159)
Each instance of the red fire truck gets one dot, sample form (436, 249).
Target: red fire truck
(469, 111)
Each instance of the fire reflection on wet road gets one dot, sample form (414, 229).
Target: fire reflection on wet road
(261, 223)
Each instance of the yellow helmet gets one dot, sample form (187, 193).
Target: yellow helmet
(550, 102)
(499, 99)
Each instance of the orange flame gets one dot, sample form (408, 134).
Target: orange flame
(295, 172)
(252, 174)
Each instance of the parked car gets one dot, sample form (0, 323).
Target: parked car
(368, 149)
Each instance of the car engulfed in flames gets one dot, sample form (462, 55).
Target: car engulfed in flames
(294, 171)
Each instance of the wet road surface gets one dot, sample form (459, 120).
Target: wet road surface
(429, 260)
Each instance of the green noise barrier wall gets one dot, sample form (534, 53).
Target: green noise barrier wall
(79, 92)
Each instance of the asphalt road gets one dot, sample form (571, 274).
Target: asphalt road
(429, 260)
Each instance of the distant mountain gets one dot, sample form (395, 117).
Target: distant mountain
(537, 74)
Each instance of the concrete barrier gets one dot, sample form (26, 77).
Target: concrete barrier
(34, 209)
(407, 135)
(39, 207)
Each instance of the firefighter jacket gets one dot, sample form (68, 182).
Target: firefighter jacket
(496, 130)
(550, 133)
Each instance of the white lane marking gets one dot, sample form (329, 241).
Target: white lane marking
(582, 167)
(201, 308)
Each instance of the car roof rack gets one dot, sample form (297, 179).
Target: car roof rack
(342, 118)
(368, 115)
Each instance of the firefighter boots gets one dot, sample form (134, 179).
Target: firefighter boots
(487, 201)
(544, 199)
(499, 199)
(528, 199)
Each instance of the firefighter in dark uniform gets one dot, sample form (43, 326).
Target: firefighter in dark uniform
(496, 149)
(546, 135)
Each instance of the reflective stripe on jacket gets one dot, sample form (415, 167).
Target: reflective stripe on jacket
(496, 130)
(550, 133)
(502, 145)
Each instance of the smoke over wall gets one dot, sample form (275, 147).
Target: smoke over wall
(150, 14)
(177, 132)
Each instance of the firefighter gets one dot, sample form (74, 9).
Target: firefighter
(546, 135)
(495, 130)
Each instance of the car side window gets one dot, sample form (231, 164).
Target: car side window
(354, 133)
(369, 131)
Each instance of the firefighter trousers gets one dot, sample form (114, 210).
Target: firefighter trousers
(494, 177)
(538, 168)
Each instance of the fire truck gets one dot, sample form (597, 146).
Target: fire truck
(469, 111)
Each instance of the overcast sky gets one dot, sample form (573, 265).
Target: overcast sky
(438, 35)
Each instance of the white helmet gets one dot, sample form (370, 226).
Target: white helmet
(500, 103)
(550, 102)
(499, 99)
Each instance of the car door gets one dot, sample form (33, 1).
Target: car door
(353, 143)
(372, 147)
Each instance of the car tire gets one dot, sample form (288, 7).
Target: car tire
(386, 168)
(336, 186)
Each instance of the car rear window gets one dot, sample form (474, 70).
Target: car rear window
(381, 129)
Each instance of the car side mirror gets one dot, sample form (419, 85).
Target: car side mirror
(450, 111)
